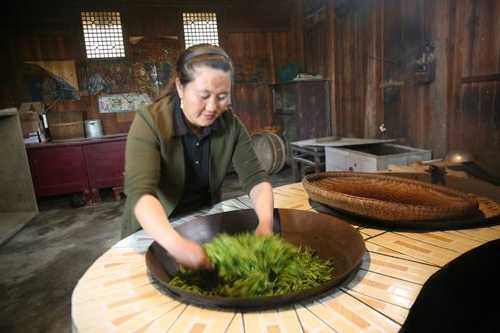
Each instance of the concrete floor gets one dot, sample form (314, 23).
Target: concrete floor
(42, 263)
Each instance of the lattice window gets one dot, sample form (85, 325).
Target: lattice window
(200, 28)
(102, 32)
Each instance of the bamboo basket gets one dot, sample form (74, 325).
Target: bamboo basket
(389, 198)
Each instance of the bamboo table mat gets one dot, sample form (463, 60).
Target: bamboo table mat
(116, 294)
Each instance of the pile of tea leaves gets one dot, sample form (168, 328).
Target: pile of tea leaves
(247, 265)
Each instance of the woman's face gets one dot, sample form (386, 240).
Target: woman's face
(206, 97)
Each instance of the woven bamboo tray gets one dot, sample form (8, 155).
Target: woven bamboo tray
(389, 198)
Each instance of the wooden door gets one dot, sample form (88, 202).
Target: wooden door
(475, 117)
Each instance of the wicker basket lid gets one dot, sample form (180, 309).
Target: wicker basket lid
(388, 198)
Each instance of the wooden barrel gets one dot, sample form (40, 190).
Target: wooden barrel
(270, 150)
(65, 124)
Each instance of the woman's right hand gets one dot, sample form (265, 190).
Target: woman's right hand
(190, 254)
(152, 217)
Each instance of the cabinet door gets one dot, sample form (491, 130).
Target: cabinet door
(105, 163)
(58, 170)
(313, 110)
(285, 99)
(302, 109)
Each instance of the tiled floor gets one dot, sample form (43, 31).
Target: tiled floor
(42, 263)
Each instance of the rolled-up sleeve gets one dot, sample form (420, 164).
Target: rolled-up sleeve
(245, 161)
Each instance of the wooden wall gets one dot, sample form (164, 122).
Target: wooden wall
(475, 80)
(368, 48)
(376, 44)
(251, 32)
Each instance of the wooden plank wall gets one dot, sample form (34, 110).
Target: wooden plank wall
(475, 99)
(375, 47)
(252, 32)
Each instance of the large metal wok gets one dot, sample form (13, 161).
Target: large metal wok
(330, 237)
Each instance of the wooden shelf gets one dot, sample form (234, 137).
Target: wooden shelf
(284, 113)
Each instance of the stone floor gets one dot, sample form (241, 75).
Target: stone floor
(42, 263)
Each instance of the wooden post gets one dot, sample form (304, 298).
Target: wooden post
(330, 63)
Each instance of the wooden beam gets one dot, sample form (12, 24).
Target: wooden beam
(481, 78)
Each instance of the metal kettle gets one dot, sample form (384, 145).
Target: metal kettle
(93, 128)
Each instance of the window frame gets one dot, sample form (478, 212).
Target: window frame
(206, 11)
(123, 30)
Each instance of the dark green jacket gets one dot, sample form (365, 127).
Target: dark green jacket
(155, 160)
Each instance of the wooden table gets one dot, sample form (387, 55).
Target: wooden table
(306, 157)
(116, 294)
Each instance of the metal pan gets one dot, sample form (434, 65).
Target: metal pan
(330, 237)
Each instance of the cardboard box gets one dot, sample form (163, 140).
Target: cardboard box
(30, 115)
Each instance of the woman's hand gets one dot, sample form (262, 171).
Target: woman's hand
(264, 229)
(153, 219)
(262, 199)
(190, 254)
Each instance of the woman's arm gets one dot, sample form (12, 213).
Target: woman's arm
(262, 199)
(154, 221)
(142, 172)
(253, 179)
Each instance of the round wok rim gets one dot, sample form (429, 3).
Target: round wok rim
(254, 302)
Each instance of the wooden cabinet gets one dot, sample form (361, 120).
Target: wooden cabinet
(78, 166)
(302, 109)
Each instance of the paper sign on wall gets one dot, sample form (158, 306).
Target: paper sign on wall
(122, 102)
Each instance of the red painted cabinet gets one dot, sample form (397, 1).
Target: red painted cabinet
(105, 165)
(82, 166)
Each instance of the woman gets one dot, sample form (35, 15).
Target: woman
(178, 152)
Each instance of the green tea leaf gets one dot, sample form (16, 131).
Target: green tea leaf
(247, 265)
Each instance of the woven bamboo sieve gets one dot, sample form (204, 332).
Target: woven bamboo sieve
(388, 198)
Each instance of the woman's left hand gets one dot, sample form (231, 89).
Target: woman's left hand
(264, 229)
(262, 200)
